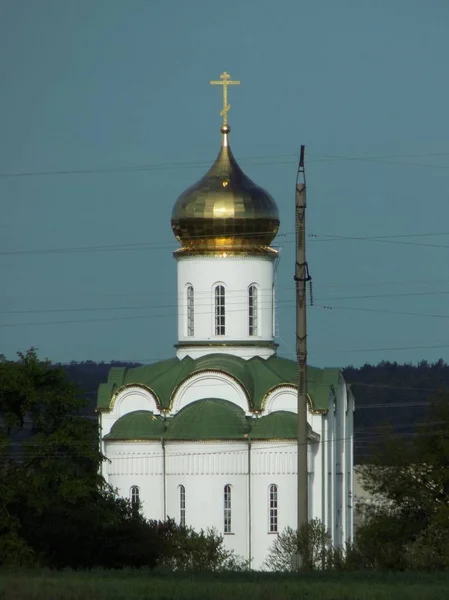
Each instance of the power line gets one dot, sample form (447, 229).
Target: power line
(284, 445)
(171, 244)
(381, 311)
(384, 240)
(153, 293)
(206, 163)
(237, 301)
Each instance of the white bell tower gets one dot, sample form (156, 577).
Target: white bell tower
(225, 223)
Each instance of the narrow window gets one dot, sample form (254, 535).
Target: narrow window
(135, 495)
(227, 509)
(273, 501)
(252, 306)
(182, 505)
(190, 312)
(219, 310)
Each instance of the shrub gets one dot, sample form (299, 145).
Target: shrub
(312, 542)
(189, 550)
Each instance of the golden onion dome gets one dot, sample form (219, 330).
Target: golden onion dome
(225, 210)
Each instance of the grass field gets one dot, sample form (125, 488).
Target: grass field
(128, 585)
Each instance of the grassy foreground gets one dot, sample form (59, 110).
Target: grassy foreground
(129, 585)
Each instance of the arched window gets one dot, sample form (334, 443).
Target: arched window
(219, 310)
(273, 508)
(182, 505)
(135, 495)
(252, 310)
(227, 509)
(190, 311)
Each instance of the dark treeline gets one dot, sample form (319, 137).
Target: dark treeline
(388, 393)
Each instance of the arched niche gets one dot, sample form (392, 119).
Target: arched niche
(281, 398)
(134, 397)
(209, 384)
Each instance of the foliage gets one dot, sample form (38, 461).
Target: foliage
(189, 550)
(407, 525)
(313, 543)
(54, 506)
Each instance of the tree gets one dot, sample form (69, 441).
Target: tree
(50, 455)
(408, 521)
(311, 541)
(190, 550)
(55, 508)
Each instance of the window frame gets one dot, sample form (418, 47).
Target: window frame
(190, 304)
(227, 509)
(134, 495)
(253, 310)
(219, 309)
(273, 508)
(182, 505)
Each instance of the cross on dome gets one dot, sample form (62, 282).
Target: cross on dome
(225, 81)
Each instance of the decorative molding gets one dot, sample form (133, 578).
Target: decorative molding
(229, 344)
(143, 464)
(263, 252)
(265, 461)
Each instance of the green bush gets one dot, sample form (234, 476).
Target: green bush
(312, 542)
(188, 550)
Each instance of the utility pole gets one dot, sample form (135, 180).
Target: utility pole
(302, 276)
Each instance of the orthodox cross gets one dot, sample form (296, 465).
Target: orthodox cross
(225, 81)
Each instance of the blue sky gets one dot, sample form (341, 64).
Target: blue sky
(98, 85)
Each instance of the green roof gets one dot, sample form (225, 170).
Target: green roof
(208, 419)
(279, 425)
(257, 376)
(137, 425)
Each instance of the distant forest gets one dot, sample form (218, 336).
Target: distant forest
(390, 397)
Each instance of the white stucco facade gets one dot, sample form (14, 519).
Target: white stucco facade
(236, 274)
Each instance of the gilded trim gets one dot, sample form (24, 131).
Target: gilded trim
(256, 252)
(129, 386)
(169, 441)
(314, 437)
(133, 441)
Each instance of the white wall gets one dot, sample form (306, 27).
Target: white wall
(236, 273)
(205, 469)
(141, 464)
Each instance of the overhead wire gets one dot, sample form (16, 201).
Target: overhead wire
(368, 439)
(171, 312)
(171, 244)
(204, 163)
(241, 299)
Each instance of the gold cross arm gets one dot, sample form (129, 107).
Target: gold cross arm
(225, 81)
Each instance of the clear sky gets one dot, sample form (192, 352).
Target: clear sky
(111, 85)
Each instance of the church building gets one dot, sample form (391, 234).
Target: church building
(209, 437)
